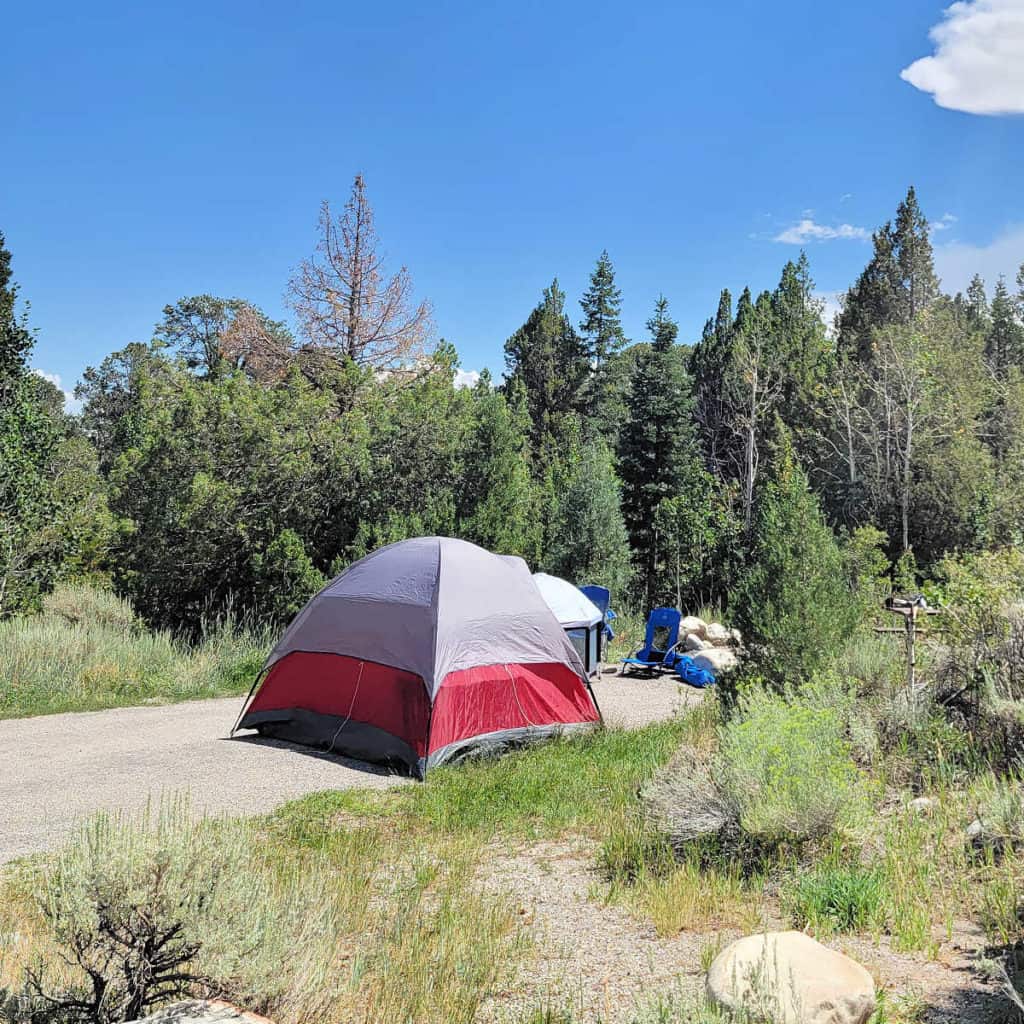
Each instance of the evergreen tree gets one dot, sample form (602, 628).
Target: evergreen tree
(498, 505)
(794, 603)
(977, 304)
(549, 359)
(709, 361)
(588, 541)
(30, 545)
(1004, 342)
(917, 285)
(657, 447)
(601, 327)
(898, 282)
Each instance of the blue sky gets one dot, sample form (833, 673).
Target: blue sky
(154, 151)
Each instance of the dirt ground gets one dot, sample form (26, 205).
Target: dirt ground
(602, 961)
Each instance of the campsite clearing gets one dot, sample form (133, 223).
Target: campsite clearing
(62, 768)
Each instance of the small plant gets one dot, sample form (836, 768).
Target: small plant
(837, 898)
(785, 763)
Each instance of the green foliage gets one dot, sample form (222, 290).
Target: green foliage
(549, 359)
(837, 897)
(658, 456)
(897, 284)
(286, 575)
(588, 541)
(32, 544)
(698, 543)
(793, 604)
(786, 765)
(89, 650)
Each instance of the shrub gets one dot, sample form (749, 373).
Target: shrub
(836, 897)
(88, 651)
(140, 914)
(795, 605)
(785, 764)
(90, 607)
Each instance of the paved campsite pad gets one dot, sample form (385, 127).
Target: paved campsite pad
(56, 770)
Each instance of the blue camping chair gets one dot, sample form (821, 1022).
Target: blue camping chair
(602, 598)
(658, 652)
(692, 674)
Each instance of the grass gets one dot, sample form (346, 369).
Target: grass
(361, 929)
(577, 785)
(87, 651)
(837, 898)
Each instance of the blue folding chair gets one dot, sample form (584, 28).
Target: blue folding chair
(661, 639)
(602, 598)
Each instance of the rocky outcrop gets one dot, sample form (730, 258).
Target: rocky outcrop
(789, 978)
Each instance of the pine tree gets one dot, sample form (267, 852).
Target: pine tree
(709, 360)
(1004, 342)
(549, 359)
(601, 304)
(918, 287)
(898, 282)
(977, 304)
(793, 604)
(498, 506)
(588, 540)
(657, 448)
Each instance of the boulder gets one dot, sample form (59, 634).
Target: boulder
(694, 643)
(691, 624)
(717, 660)
(922, 805)
(789, 978)
(717, 634)
(737, 637)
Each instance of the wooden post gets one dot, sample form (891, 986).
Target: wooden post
(911, 622)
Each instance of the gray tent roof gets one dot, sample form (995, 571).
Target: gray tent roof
(431, 606)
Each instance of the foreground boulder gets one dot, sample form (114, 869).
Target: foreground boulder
(789, 978)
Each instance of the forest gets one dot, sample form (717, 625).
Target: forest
(780, 474)
(233, 463)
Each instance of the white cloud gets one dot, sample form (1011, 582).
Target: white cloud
(808, 230)
(957, 262)
(466, 378)
(831, 306)
(978, 64)
(947, 220)
(71, 404)
(845, 197)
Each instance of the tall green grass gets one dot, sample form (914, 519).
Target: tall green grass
(87, 650)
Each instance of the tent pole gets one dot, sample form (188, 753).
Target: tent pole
(248, 697)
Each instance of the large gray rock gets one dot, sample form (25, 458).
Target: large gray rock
(694, 643)
(789, 978)
(717, 660)
(692, 624)
(718, 635)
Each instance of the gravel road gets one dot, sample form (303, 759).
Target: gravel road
(56, 770)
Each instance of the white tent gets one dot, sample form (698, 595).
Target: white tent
(578, 615)
(572, 608)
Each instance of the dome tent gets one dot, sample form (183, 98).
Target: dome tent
(420, 653)
(581, 619)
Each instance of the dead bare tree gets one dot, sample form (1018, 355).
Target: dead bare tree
(345, 301)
